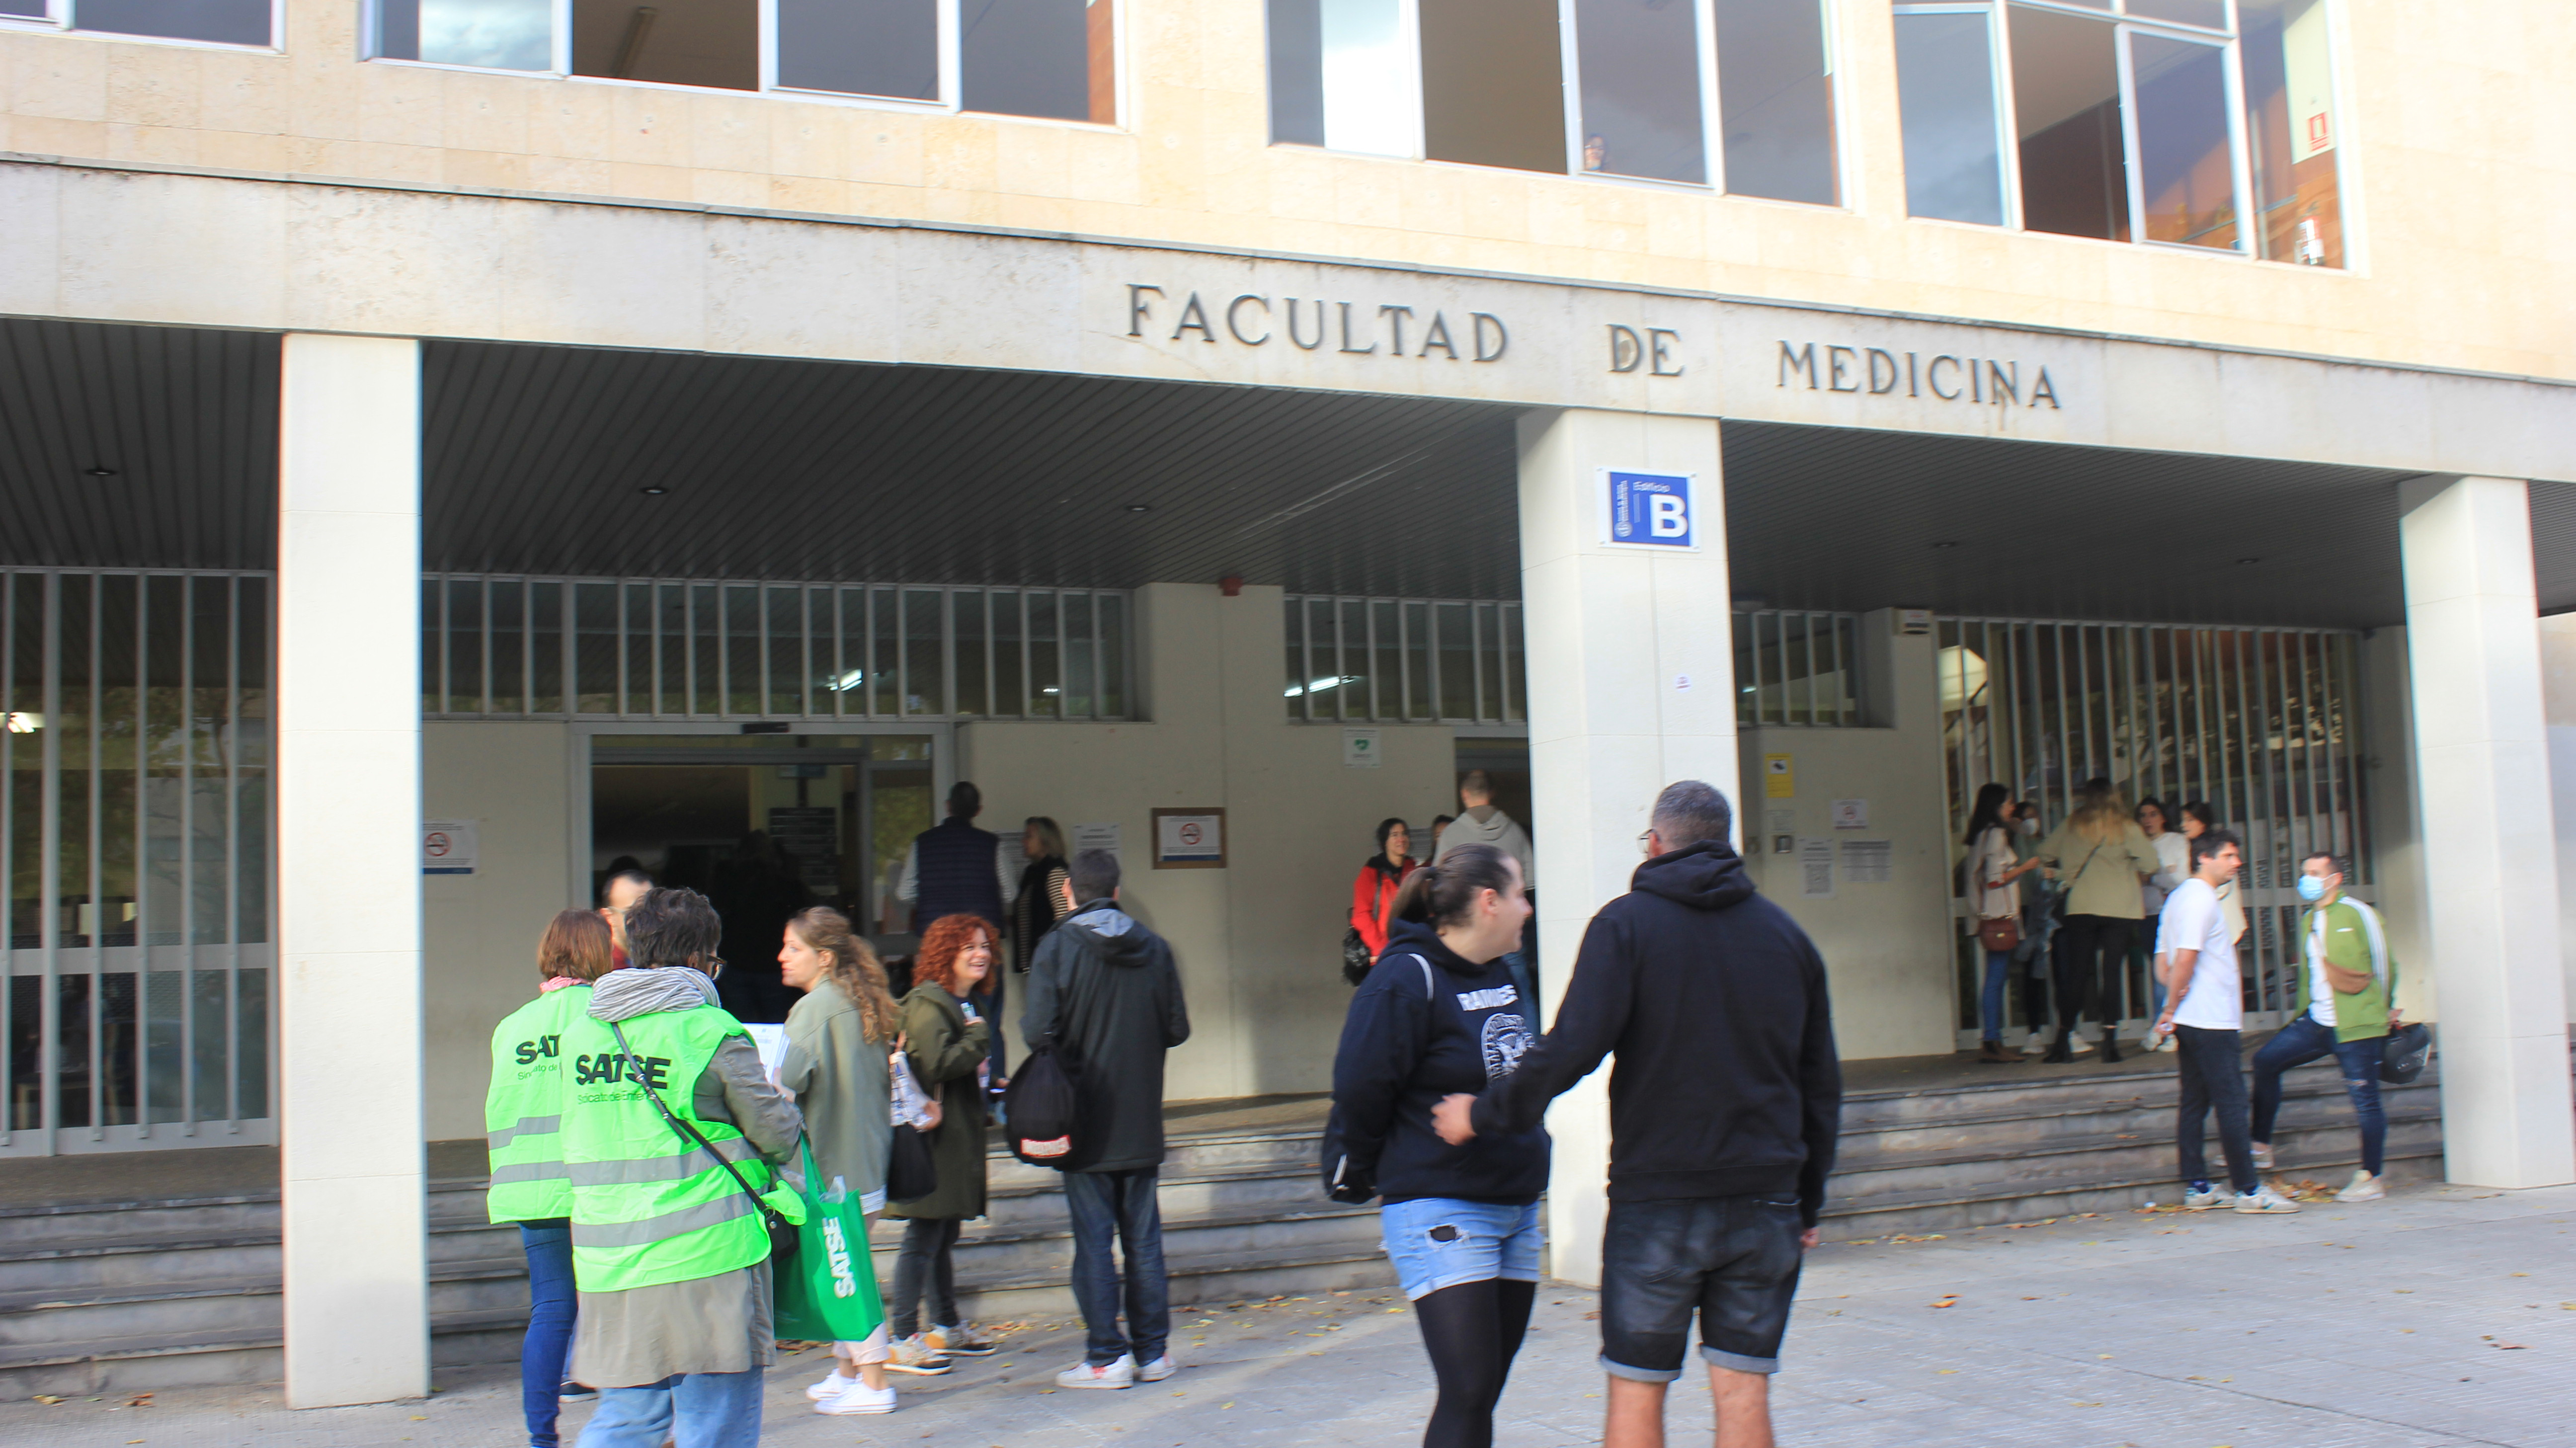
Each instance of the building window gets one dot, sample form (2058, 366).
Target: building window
(213, 22)
(1796, 667)
(2128, 120)
(1404, 660)
(1619, 88)
(1047, 58)
(496, 647)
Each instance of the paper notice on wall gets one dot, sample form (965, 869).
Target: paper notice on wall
(1779, 777)
(447, 847)
(1868, 862)
(771, 1042)
(1096, 837)
(1816, 869)
(1360, 748)
(1851, 814)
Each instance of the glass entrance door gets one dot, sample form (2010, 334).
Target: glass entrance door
(765, 825)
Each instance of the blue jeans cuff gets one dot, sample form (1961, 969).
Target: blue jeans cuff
(1639, 1375)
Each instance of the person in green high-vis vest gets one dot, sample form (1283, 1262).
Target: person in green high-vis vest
(2347, 1002)
(530, 1185)
(668, 1246)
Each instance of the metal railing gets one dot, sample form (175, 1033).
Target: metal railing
(1398, 660)
(1797, 668)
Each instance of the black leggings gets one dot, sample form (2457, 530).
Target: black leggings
(1472, 1331)
(2082, 980)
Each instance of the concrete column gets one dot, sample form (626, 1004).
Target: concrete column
(1631, 666)
(2490, 842)
(348, 872)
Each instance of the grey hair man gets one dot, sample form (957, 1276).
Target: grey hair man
(1711, 995)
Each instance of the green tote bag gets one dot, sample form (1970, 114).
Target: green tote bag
(827, 1292)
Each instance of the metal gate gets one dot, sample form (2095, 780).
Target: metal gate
(2262, 723)
(134, 836)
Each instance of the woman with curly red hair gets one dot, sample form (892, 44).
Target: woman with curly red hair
(946, 1043)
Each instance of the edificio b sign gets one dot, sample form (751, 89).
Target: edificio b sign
(1646, 510)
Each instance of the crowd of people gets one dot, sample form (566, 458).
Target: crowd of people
(661, 1172)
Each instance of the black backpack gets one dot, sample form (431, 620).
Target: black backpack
(1042, 1107)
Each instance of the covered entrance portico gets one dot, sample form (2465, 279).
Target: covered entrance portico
(901, 414)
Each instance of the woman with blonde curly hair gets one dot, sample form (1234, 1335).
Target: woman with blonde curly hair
(947, 1042)
(840, 1043)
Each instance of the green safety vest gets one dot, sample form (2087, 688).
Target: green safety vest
(524, 1108)
(648, 1206)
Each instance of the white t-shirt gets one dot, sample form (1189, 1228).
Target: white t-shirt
(2321, 1002)
(2192, 920)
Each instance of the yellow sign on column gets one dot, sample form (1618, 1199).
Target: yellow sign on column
(1779, 781)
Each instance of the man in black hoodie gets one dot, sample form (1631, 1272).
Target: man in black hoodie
(1724, 1106)
(1104, 992)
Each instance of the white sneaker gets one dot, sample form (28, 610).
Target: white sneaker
(2208, 1201)
(2037, 1045)
(1119, 1374)
(912, 1355)
(2262, 1157)
(832, 1386)
(858, 1398)
(2263, 1201)
(2079, 1048)
(1157, 1370)
(2364, 1188)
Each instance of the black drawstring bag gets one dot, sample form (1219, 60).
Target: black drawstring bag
(911, 1174)
(1042, 1107)
(2402, 1057)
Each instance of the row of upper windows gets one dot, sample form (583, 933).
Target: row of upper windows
(2200, 123)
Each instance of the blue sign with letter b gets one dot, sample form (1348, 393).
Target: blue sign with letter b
(1649, 509)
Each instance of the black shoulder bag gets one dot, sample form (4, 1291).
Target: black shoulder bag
(782, 1232)
(1042, 1107)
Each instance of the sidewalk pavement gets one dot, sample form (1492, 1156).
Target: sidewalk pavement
(2442, 1316)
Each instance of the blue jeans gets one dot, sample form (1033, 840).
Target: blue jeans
(1991, 1005)
(551, 1302)
(1732, 1260)
(2213, 1080)
(1123, 1203)
(1438, 1242)
(692, 1410)
(2302, 1041)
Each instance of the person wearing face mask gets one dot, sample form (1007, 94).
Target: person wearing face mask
(2346, 1005)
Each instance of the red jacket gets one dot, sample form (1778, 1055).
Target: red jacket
(1372, 894)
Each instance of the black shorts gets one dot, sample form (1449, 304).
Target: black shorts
(1734, 1259)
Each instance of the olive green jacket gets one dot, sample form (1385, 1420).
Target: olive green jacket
(944, 1049)
(2355, 942)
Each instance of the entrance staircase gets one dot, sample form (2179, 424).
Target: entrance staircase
(136, 1272)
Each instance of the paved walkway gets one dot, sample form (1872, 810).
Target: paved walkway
(2442, 1316)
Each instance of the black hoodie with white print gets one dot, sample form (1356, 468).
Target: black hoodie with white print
(1424, 1025)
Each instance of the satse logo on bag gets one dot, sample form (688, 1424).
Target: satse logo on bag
(836, 1246)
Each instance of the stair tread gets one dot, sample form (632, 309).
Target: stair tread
(1942, 1196)
(221, 1339)
(1173, 1225)
(2073, 1145)
(1177, 1265)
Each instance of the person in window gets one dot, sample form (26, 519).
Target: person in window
(2103, 856)
(1373, 890)
(1994, 869)
(1039, 905)
(947, 1040)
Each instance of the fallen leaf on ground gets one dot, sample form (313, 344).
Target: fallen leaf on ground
(1950, 1299)
(47, 1398)
(2514, 1346)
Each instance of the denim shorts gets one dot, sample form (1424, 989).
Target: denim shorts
(1733, 1259)
(1438, 1242)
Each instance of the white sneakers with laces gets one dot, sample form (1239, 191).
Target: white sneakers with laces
(858, 1398)
(2263, 1201)
(2363, 1188)
(831, 1385)
(1118, 1374)
(1157, 1370)
(2262, 1157)
(2216, 1198)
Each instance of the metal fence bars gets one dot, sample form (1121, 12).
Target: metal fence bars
(2262, 723)
(1795, 667)
(1398, 660)
(516, 647)
(134, 834)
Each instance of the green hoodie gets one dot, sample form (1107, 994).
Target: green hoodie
(2354, 941)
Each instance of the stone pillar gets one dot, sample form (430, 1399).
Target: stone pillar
(1631, 666)
(2490, 842)
(347, 702)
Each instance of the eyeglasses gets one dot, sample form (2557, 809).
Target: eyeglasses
(1646, 842)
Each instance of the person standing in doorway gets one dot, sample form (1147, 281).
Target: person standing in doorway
(674, 1271)
(2173, 854)
(1483, 824)
(838, 1039)
(530, 1184)
(2199, 819)
(2346, 1007)
(1038, 906)
(1436, 1017)
(1724, 1108)
(625, 885)
(2103, 856)
(1439, 826)
(2037, 952)
(2206, 1016)
(946, 1040)
(1373, 890)
(1995, 869)
(954, 868)
(1104, 992)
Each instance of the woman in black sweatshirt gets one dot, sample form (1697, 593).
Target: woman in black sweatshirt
(1439, 1014)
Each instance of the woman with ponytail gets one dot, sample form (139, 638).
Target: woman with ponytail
(1439, 1014)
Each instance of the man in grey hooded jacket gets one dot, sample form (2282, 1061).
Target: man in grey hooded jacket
(1483, 824)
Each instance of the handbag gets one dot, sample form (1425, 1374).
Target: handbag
(2402, 1057)
(1355, 956)
(2002, 933)
(911, 1172)
(782, 1232)
(830, 1295)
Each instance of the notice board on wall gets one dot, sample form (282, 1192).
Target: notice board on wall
(1189, 839)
